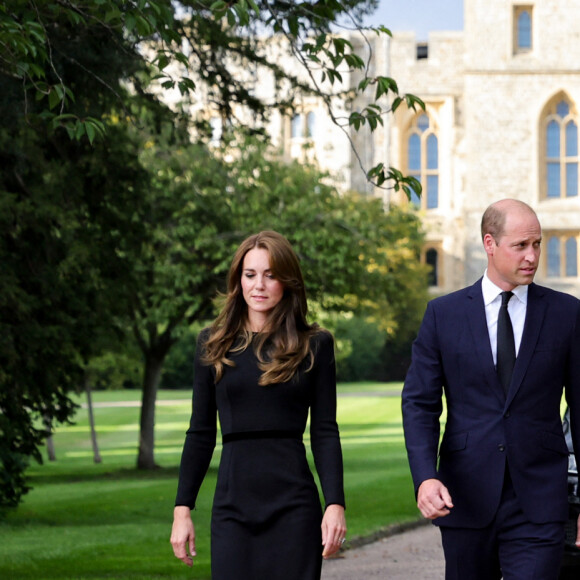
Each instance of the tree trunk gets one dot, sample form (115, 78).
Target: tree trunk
(96, 454)
(153, 367)
(49, 439)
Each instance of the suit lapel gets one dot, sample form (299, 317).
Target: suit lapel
(480, 334)
(535, 311)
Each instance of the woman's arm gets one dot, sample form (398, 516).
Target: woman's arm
(325, 442)
(196, 456)
(200, 438)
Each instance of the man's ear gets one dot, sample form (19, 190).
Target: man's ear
(489, 244)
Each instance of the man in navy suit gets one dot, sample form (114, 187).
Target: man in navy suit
(498, 490)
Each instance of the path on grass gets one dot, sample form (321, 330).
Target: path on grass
(415, 553)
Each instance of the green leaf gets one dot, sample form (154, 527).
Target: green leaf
(180, 57)
(384, 85)
(413, 102)
(112, 14)
(415, 184)
(293, 25)
(242, 13)
(162, 61)
(339, 44)
(356, 120)
(364, 84)
(384, 30)
(54, 99)
(218, 6)
(254, 7)
(143, 26)
(333, 75)
(396, 102)
(90, 129)
(186, 85)
(354, 61)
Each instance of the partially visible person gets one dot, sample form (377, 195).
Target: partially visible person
(496, 484)
(262, 367)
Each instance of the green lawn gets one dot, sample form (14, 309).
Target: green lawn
(86, 520)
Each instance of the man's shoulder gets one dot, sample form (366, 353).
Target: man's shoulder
(553, 295)
(457, 296)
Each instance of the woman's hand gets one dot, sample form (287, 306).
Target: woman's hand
(333, 529)
(183, 535)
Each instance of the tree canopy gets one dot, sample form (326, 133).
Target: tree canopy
(193, 46)
(115, 223)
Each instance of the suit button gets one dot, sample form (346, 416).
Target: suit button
(507, 414)
(501, 447)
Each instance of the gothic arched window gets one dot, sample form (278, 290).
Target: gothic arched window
(523, 29)
(423, 161)
(560, 158)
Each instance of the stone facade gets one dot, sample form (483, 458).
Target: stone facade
(506, 95)
(489, 92)
(497, 96)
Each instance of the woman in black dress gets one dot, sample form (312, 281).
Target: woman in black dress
(263, 368)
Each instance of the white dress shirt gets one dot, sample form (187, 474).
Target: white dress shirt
(516, 308)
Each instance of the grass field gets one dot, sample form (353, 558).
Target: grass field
(108, 521)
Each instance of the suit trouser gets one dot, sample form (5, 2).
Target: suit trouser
(511, 547)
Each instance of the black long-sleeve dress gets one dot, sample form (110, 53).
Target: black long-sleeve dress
(266, 513)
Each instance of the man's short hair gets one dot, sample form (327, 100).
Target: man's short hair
(493, 222)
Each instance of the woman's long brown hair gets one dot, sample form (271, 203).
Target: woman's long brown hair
(285, 342)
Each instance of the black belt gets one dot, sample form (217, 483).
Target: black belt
(269, 434)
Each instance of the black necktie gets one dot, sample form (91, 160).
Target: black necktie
(506, 348)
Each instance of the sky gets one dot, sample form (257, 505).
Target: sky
(419, 16)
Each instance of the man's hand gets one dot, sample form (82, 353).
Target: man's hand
(578, 533)
(434, 501)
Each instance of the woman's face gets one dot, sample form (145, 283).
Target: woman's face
(260, 289)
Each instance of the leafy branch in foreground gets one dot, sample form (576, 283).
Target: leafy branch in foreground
(328, 59)
(213, 38)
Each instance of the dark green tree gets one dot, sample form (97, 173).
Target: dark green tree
(66, 224)
(355, 256)
(99, 238)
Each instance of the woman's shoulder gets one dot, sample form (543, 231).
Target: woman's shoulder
(203, 336)
(322, 338)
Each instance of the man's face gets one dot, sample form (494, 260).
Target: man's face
(513, 258)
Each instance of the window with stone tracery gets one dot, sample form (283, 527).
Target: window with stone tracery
(560, 151)
(423, 161)
(561, 254)
(303, 126)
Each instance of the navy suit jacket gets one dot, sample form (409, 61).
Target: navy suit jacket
(484, 427)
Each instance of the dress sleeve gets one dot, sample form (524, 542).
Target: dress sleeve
(200, 438)
(324, 435)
